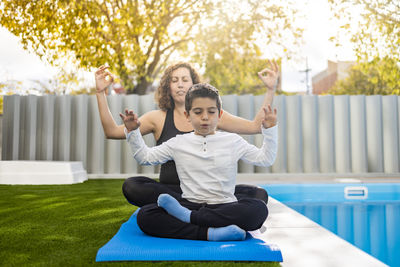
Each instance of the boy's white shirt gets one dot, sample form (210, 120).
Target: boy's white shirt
(206, 166)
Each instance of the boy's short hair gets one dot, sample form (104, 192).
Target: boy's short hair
(201, 90)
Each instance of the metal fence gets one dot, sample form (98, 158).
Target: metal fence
(317, 134)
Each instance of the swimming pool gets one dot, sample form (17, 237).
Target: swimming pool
(366, 215)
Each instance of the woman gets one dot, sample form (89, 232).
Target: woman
(170, 120)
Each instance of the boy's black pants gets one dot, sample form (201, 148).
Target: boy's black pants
(247, 213)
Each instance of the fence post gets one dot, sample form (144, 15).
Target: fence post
(294, 134)
(310, 133)
(11, 128)
(62, 136)
(326, 134)
(358, 130)
(342, 134)
(113, 147)
(390, 133)
(96, 139)
(46, 126)
(374, 133)
(79, 129)
(280, 165)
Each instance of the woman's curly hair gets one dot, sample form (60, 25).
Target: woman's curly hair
(163, 94)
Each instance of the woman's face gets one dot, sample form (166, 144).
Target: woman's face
(180, 84)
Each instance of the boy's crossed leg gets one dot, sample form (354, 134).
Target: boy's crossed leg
(174, 208)
(224, 221)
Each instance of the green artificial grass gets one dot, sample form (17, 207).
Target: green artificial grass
(65, 225)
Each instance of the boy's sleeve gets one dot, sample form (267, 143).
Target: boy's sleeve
(264, 156)
(145, 155)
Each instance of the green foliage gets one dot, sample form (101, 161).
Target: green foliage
(65, 225)
(236, 47)
(131, 36)
(376, 31)
(69, 81)
(138, 38)
(376, 77)
(236, 74)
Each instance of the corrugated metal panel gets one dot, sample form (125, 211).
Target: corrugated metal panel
(374, 133)
(342, 134)
(310, 133)
(280, 165)
(294, 134)
(96, 139)
(316, 133)
(326, 127)
(390, 134)
(358, 132)
(113, 151)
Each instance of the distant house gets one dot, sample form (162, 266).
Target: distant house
(324, 80)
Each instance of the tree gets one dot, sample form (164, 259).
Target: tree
(136, 38)
(380, 76)
(237, 47)
(131, 36)
(375, 31)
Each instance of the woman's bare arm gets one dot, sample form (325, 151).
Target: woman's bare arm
(111, 129)
(104, 79)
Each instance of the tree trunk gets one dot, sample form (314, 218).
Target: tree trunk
(141, 87)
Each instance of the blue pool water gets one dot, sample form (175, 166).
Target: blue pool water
(366, 215)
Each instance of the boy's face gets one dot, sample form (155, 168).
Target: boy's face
(204, 115)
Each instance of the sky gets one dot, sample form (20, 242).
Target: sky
(317, 48)
(18, 64)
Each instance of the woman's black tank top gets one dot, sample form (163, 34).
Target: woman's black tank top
(168, 174)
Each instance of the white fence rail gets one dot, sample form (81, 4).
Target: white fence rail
(317, 134)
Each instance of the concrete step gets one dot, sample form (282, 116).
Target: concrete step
(41, 172)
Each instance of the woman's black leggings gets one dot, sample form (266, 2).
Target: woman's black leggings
(141, 190)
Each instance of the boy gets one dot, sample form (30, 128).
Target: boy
(206, 163)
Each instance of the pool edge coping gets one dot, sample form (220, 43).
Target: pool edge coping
(299, 239)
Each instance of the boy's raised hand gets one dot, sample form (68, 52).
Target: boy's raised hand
(269, 117)
(130, 120)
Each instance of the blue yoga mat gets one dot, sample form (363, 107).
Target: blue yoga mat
(131, 244)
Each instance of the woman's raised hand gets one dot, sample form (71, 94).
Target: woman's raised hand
(269, 117)
(270, 76)
(103, 78)
(130, 120)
